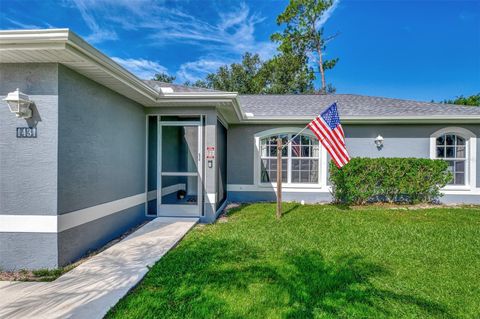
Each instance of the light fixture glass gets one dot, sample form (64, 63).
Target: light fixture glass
(379, 141)
(19, 103)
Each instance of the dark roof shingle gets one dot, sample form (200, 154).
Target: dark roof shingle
(348, 105)
(291, 105)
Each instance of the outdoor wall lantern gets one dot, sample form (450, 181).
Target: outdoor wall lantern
(19, 103)
(379, 141)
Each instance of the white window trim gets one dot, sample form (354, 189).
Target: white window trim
(471, 156)
(322, 182)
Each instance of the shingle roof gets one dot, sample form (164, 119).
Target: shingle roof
(177, 88)
(348, 105)
(291, 105)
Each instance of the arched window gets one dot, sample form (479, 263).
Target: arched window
(300, 159)
(456, 146)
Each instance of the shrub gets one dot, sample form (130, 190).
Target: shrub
(405, 180)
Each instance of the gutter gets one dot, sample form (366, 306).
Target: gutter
(205, 97)
(474, 119)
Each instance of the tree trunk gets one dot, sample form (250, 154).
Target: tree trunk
(279, 177)
(320, 68)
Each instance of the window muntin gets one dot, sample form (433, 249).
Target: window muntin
(300, 159)
(453, 149)
(268, 161)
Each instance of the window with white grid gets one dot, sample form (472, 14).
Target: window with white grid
(453, 149)
(300, 159)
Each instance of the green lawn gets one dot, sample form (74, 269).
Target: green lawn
(318, 262)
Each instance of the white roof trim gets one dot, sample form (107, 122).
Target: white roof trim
(367, 119)
(166, 90)
(64, 40)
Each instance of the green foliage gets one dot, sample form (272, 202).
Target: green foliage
(239, 77)
(164, 77)
(330, 64)
(287, 73)
(302, 34)
(49, 274)
(301, 44)
(318, 261)
(410, 180)
(472, 100)
(284, 73)
(198, 84)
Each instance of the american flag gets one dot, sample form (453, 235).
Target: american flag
(329, 132)
(296, 148)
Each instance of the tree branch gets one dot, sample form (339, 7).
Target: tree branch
(330, 38)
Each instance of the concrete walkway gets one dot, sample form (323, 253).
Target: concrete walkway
(92, 288)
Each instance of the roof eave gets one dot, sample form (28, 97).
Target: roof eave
(111, 66)
(65, 39)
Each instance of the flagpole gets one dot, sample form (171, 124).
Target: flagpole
(279, 178)
(279, 168)
(295, 136)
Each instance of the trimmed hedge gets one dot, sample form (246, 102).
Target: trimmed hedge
(399, 180)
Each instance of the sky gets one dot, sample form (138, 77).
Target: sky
(421, 50)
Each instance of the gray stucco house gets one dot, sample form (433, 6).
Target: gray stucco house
(112, 150)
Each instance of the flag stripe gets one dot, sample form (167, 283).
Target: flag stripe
(331, 139)
(341, 130)
(325, 143)
(325, 136)
(330, 133)
(337, 143)
(337, 140)
(339, 134)
(342, 142)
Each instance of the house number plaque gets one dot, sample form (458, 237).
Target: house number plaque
(26, 132)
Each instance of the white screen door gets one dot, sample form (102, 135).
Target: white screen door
(180, 163)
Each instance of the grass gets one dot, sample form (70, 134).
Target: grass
(43, 274)
(318, 262)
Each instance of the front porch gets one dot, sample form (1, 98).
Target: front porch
(185, 163)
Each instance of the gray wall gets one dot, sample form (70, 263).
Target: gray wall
(270, 195)
(28, 251)
(221, 161)
(76, 242)
(152, 162)
(90, 150)
(28, 167)
(101, 158)
(400, 141)
(240, 153)
(101, 144)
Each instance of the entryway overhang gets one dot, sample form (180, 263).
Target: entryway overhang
(65, 47)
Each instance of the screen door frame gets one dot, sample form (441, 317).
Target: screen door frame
(179, 210)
